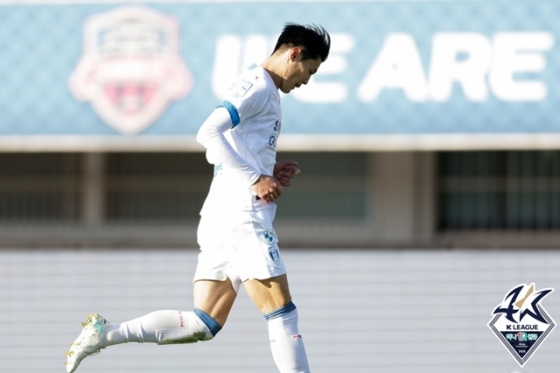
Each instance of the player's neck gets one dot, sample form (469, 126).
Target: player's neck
(271, 67)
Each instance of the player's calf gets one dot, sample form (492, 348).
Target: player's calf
(286, 343)
(165, 327)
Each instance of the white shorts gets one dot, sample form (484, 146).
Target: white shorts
(239, 245)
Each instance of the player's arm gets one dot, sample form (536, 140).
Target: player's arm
(211, 136)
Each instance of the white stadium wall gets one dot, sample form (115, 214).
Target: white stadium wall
(361, 311)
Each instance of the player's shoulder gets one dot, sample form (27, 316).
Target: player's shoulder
(255, 74)
(252, 81)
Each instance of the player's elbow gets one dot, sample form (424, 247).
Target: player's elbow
(202, 137)
(206, 133)
(214, 126)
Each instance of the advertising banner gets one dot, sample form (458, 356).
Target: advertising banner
(401, 75)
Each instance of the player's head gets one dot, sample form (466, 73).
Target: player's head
(314, 41)
(303, 49)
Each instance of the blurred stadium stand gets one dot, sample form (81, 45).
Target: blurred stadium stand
(378, 199)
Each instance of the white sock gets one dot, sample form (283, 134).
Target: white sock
(163, 327)
(286, 343)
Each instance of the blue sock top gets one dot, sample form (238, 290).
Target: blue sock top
(208, 321)
(280, 311)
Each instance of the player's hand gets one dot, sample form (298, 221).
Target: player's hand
(284, 172)
(267, 188)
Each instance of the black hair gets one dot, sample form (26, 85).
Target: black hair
(314, 40)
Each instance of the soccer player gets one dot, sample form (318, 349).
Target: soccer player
(238, 244)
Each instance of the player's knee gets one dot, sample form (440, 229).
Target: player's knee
(203, 329)
(195, 326)
(213, 326)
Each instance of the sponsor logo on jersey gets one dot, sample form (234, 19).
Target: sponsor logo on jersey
(130, 69)
(267, 237)
(521, 323)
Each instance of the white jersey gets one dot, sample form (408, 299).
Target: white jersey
(253, 103)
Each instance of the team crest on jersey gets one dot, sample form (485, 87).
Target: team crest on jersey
(274, 254)
(131, 68)
(521, 323)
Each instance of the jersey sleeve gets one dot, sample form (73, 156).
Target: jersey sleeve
(211, 136)
(245, 99)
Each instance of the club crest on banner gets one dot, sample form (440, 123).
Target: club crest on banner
(521, 323)
(131, 68)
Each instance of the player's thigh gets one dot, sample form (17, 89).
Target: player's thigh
(215, 298)
(269, 294)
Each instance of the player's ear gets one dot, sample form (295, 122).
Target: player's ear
(295, 52)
